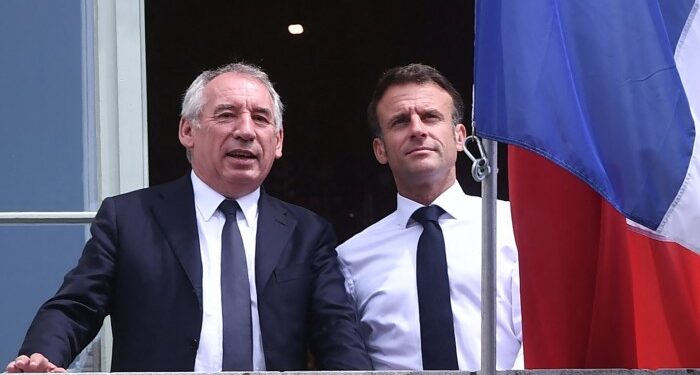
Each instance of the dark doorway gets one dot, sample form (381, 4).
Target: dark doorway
(325, 77)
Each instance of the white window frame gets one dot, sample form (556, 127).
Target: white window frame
(116, 46)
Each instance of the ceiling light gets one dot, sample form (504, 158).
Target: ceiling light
(295, 29)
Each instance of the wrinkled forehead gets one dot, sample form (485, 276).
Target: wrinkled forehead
(237, 89)
(414, 97)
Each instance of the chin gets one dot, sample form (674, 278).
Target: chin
(424, 167)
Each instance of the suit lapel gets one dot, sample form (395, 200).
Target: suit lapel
(174, 210)
(275, 227)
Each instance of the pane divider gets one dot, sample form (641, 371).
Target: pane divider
(57, 217)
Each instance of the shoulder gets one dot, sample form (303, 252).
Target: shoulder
(181, 187)
(170, 195)
(306, 224)
(291, 210)
(505, 237)
(354, 253)
(503, 214)
(367, 238)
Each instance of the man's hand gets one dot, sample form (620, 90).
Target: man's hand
(36, 363)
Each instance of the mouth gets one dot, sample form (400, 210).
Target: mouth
(241, 154)
(419, 149)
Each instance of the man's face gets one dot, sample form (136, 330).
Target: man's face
(235, 144)
(418, 140)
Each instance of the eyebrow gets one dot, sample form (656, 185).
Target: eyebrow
(421, 112)
(262, 110)
(433, 111)
(227, 107)
(399, 116)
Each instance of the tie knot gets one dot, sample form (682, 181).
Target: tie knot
(229, 207)
(429, 213)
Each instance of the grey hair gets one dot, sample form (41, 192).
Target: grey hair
(192, 102)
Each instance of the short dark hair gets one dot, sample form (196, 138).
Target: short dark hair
(412, 73)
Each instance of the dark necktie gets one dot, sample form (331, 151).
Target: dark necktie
(235, 295)
(436, 328)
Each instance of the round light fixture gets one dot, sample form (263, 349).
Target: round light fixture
(295, 29)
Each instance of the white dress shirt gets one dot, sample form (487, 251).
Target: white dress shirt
(379, 265)
(210, 224)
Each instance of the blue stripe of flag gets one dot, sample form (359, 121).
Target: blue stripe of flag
(591, 85)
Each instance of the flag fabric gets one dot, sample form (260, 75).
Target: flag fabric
(602, 98)
(602, 88)
(596, 294)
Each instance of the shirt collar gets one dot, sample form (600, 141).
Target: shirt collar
(451, 200)
(207, 200)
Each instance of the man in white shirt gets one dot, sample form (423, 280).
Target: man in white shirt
(403, 268)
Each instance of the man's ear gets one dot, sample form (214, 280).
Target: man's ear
(379, 150)
(185, 133)
(460, 135)
(278, 147)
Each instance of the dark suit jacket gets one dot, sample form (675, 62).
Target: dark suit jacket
(142, 266)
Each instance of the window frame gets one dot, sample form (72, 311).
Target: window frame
(115, 116)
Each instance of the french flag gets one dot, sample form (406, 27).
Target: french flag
(602, 99)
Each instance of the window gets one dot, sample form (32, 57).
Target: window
(74, 126)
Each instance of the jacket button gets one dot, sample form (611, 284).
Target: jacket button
(194, 343)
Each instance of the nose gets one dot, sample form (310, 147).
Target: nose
(417, 126)
(243, 129)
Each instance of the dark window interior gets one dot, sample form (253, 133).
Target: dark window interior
(325, 77)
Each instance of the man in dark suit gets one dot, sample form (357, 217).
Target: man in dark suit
(157, 260)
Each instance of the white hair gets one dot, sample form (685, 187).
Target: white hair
(192, 102)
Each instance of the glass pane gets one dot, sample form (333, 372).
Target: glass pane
(33, 260)
(44, 117)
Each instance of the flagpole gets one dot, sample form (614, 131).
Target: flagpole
(488, 261)
(486, 173)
